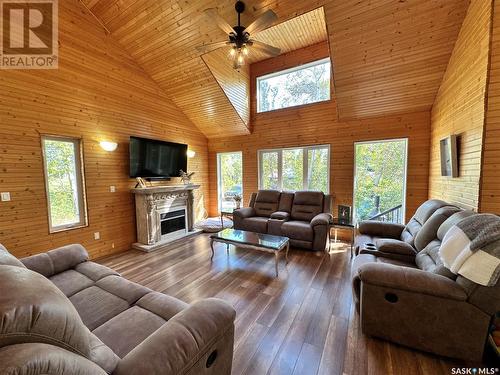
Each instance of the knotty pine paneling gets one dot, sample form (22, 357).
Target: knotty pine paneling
(459, 109)
(490, 179)
(318, 124)
(99, 92)
(389, 56)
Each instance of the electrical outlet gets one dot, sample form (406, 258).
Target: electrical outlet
(5, 196)
(97, 236)
(112, 189)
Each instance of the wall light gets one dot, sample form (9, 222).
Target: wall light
(108, 146)
(191, 154)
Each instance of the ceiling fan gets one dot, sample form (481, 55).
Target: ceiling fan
(239, 37)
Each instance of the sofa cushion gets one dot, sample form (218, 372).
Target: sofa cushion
(96, 306)
(95, 271)
(423, 213)
(266, 202)
(7, 259)
(306, 205)
(388, 245)
(123, 288)
(298, 230)
(286, 201)
(102, 354)
(32, 309)
(428, 231)
(429, 260)
(255, 224)
(71, 282)
(162, 304)
(128, 329)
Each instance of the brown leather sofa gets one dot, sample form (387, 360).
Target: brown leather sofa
(62, 314)
(412, 299)
(303, 216)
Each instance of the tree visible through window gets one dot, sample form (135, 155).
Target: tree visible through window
(380, 180)
(292, 169)
(230, 178)
(64, 182)
(304, 84)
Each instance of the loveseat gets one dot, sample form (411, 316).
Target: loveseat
(62, 314)
(406, 295)
(303, 216)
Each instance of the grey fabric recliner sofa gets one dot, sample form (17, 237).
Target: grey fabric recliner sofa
(62, 314)
(303, 216)
(406, 295)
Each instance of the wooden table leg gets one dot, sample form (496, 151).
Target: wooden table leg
(276, 254)
(212, 247)
(286, 252)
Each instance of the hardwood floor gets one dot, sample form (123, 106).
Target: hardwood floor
(303, 322)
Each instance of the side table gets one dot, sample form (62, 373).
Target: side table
(344, 224)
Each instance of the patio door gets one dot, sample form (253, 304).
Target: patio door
(380, 180)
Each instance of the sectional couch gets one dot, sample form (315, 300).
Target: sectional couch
(62, 314)
(303, 216)
(406, 295)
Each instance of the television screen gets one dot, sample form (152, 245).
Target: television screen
(156, 159)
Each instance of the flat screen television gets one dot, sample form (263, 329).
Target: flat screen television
(155, 159)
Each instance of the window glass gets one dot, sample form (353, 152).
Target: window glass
(297, 168)
(230, 179)
(64, 182)
(305, 84)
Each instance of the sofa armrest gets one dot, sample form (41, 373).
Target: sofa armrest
(321, 219)
(410, 279)
(244, 212)
(196, 340)
(381, 229)
(280, 215)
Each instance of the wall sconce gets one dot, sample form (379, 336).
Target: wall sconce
(108, 146)
(191, 154)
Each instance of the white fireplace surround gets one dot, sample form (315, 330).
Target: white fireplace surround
(151, 202)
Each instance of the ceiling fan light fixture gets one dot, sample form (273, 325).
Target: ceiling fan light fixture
(245, 50)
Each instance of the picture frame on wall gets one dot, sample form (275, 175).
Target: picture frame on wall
(344, 213)
(449, 160)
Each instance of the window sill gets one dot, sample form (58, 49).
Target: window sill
(295, 107)
(64, 229)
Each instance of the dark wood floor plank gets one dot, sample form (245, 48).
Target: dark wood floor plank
(302, 322)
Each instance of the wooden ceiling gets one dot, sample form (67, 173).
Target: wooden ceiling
(389, 55)
(307, 29)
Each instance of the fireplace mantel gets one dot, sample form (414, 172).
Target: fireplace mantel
(151, 202)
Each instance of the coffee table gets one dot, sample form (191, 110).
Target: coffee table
(251, 240)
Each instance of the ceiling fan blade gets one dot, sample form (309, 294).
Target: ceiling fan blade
(261, 23)
(266, 48)
(212, 46)
(212, 14)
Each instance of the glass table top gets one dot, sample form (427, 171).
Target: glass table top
(268, 241)
(342, 222)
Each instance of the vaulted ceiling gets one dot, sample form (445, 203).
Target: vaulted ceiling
(388, 55)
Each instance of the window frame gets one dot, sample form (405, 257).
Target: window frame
(80, 182)
(290, 70)
(219, 187)
(405, 179)
(305, 164)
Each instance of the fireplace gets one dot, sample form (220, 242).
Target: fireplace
(163, 214)
(173, 224)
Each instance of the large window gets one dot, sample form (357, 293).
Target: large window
(292, 169)
(230, 178)
(380, 180)
(305, 84)
(64, 183)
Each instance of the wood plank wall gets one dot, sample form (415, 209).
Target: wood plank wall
(490, 179)
(318, 124)
(459, 109)
(97, 93)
